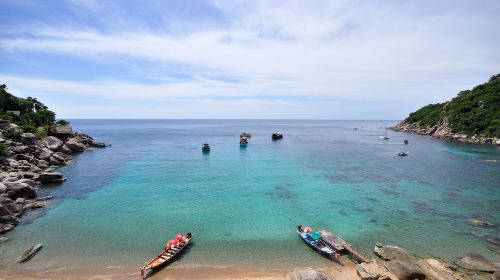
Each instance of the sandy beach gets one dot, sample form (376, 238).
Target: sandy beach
(335, 271)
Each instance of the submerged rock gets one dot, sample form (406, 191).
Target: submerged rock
(28, 254)
(476, 262)
(478, 222)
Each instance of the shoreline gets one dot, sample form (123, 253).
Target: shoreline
(442, 131)
(332, 271)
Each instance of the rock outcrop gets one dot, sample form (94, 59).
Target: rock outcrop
(306, 274)
(406, 266)
(476, 262)
(27, 166)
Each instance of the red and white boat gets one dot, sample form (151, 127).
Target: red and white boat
(172, 249)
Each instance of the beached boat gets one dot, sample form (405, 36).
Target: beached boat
(205, 148)
(171, 250)
(243, 141)
(277, 136)
(314, 240)
(334, 243)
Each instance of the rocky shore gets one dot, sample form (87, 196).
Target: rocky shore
(443, 131)
(27, 164)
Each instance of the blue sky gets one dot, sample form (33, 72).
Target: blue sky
(246, 59)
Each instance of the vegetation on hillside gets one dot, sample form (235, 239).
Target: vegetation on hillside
(33, 116)
(473, 112)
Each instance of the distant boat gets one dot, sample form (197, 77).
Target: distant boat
(405, 141)
(246, 134)
(205, 148)
(402, 154)
(314, 240)
(385, 137)
(243, 142)
(277, 136)
(173, 248)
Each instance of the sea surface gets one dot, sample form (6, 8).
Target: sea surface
(121, 203)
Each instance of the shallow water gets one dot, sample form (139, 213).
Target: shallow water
(120, 203)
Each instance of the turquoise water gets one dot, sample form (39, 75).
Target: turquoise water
(119, 204)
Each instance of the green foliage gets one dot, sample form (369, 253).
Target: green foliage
(41, 133)
(473, 112)
(33, 113)
(4, 151)
(429, 115)
(62, 122)
(13, 133)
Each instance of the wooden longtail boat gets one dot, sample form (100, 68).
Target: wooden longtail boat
(28, 254)
(168, 253)
(314, 240)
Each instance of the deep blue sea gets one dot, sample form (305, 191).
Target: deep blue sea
(121, 203)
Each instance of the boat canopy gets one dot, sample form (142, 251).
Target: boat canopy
(315, 235)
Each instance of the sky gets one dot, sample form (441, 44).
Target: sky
(178, 59)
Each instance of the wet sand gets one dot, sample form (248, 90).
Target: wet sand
(335, 271)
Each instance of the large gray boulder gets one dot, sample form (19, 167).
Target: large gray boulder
(20, 149)
(45, 154)
(29, 137)
(75, 146)
(476, 262)
(402, 264)
(15, 209)
(3, 188)
(3, 211)
(305, 274)
(405, 270)
(53, 143)
(51, 177)
(20, 189)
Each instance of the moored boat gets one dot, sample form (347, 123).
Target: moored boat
(171, 250)
(314, 240)
(205, 148)
(405, 141)
(243, 141)
(246, 134)
(402, 154)
(277, 136)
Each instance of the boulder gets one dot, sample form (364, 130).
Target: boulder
(98, 145)
(53, 143)
(5, 227)
(20, 189)
(30, 137)
(20, 149)
(75, 146)
(9, 219)
(3, 211)
(65, 150)
(405, 271)
(476, 262)
(43, 164)
(54, 161)
(3, 188)
(51, 177)
(45, 154)
(59, 158)
(495, 276)
(399, 262)
(373, 271)
(305, 274)
(439, 270)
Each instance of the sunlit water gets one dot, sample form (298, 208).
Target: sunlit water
(121, 203)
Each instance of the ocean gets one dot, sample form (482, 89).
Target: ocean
(121, 203)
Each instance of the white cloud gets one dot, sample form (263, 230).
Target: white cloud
(394, 51)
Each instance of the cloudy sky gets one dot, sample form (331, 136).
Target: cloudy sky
(246, 59)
